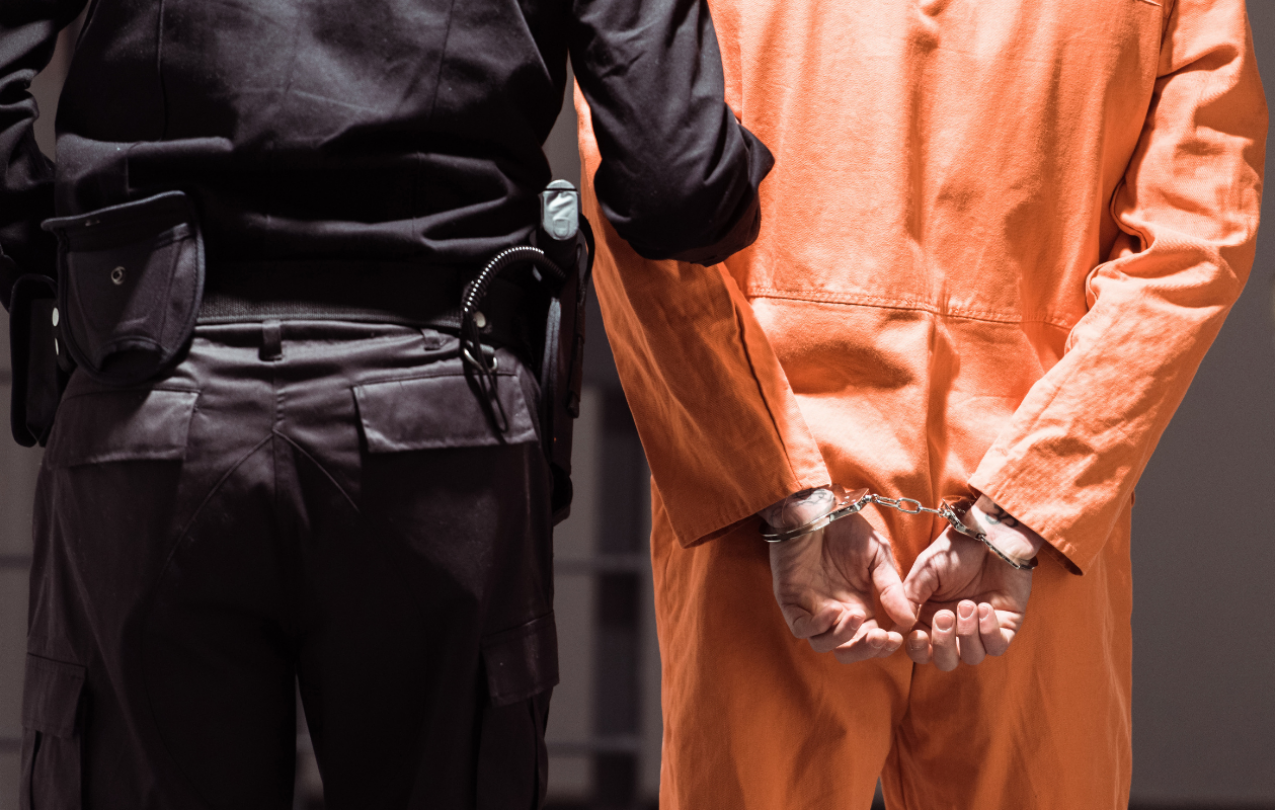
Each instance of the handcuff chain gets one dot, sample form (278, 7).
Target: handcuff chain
(897, 504)
(944, 511)
(852, 503)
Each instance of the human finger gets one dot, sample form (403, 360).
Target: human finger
(919, 649)
(841, 630)
(967, 633)
(870, 643)
(944, 640)
(885, 578)
(923, 580)
(994, 637)
(807, 622)
(894, 640)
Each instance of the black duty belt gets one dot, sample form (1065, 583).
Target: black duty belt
(402, 293)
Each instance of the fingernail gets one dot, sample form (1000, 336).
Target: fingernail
(875, 643)
(966, 609)
(944, 621)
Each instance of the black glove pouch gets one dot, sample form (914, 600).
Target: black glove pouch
(38, 381)
(130, 282)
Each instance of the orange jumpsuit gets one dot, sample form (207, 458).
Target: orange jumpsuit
(997, 241)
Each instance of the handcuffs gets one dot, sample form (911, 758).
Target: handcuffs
(850, 503)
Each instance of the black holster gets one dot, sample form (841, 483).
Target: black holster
(38, 378)
(555, 270)
(562, 369)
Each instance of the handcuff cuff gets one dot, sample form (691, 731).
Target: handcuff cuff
(850, 503)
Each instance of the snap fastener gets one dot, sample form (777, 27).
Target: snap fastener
(117, 276)
(56, 316)
(480, 320)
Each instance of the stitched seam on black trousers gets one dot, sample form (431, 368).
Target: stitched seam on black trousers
(211, 493)
(319, 466)
(150, 602)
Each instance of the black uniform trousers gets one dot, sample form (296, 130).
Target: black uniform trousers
(316, 502)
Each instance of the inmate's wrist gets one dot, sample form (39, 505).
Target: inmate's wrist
(1010, 535)
(805, 508)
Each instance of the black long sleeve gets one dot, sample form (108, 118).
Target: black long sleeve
(377, 130)
(679, 175)
(28, 35)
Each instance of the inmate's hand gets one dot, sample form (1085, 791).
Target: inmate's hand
(825, 583)
(971, 603)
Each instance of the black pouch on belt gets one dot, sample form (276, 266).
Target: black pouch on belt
(38, 381)
(130, 282)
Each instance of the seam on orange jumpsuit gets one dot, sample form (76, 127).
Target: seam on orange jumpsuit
(878, 302)
(742, 335)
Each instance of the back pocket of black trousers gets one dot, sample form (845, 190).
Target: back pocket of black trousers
(51, 736)
(130, 282)
(522, 668)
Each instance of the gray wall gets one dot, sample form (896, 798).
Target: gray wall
(1204, 558)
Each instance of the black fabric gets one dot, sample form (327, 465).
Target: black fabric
(562, 367)
(130, 281)
(52, 762)
(375, 130)
(37, 378)
(333, 511)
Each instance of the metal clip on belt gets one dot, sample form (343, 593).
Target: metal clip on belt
(471, 346)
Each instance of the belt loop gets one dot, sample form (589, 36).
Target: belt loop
(271, 340)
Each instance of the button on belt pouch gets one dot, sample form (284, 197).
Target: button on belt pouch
(38, 381)
(130, 282)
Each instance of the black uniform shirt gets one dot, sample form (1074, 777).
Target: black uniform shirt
(406, 130)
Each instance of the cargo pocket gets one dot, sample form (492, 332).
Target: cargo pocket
(522, 668)
(131, 279)
(51, 736)
(134, 425)
(441, 411)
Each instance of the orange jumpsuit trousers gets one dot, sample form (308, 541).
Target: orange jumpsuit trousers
(997, 242)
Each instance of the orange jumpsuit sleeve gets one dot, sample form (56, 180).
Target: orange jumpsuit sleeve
(1187, 212)
(720, 426)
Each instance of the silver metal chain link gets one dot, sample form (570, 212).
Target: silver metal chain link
(851, 503)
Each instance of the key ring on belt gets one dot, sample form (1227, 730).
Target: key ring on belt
(851, 503)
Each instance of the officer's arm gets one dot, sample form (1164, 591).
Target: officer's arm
(28, 35)
(679, 174)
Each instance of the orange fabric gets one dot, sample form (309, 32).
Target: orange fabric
(720, 395)
(997, 241)
(755, 720)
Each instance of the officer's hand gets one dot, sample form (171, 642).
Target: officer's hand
(825, 584)
(971, 603)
